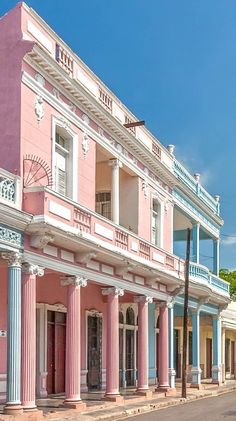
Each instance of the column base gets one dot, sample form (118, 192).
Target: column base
(196, 377)
(144, 392)
(78, 405)
(216, 375)
(113, 398)
(172, 374)
(13, 409)
(162, 389)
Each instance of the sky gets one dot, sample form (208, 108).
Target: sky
(173, 63)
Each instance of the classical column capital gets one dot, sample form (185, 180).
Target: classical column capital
(115, 163)
(32, 269)
(13, 258)
(143, 299)
(113, 290)
(77, 281)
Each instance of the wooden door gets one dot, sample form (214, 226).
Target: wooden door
(177, 356)
(56, 352)
(50, 356)
(208, 358)
(232, 357)
(94, 352)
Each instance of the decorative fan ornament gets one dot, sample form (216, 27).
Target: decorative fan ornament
(36, 172)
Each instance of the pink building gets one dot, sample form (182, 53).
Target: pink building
(90, 212)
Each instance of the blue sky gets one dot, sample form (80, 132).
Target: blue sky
(173, 63)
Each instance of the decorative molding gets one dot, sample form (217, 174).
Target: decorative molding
(85, 145)
(143, 299)
(113, 290)
(38, 107)
(77, 281)
(63, 108)
(11, 237)
(85, 257)
(65, 123)
(13, 258)
(41, 239)
(94, 313)
(115, 163)
(32, 269)
(124, 268)
(86, 119)
(40, 79)
(145, 188)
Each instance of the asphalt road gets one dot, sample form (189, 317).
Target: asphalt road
(220, 408)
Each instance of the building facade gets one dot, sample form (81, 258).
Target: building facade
(93, 215)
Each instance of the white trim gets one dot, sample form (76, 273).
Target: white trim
(37, 34)
(61, 122)
(101, 278)
(63, 109)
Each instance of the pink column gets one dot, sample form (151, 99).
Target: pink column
(143, 345)
(28, 363)
(163, 348)
(112, 352)
(73, 342)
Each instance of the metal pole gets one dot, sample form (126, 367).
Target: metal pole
(185, 319)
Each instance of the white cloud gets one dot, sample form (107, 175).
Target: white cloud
(229, 241)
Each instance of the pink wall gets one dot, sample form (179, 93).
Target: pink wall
(144, 214)
(3, 317)
(12, 50)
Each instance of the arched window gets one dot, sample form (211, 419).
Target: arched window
(121, 318)
(156, 225)
(130, 318)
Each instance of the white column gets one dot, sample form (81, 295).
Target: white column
(223, 354)
(216, 257)
(115, 190)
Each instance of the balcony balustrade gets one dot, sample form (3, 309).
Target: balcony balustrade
(89, 222)
(9, 188)
(193, 184)
(197, 272)
(64, 59)
(105, 99)
(156, 150)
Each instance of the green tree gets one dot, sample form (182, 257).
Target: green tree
(230, 276)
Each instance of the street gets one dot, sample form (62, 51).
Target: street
(211, 409)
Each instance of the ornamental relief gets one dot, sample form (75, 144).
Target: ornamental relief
(11, 237)
(85, 145)
(39, 108)
(39, 111)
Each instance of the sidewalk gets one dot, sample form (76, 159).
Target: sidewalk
(106, 411)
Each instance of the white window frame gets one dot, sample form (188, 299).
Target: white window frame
(73, 157)
(161, 220)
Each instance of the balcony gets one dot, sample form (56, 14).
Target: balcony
(89, 225)
(198, 272)
(9, 189)
(193, 184)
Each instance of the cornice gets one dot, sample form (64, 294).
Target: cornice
(13, 217)
(101, 278)
(77, 121)
(79, 95)
(94, 243)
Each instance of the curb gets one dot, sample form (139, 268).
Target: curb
(149, 407)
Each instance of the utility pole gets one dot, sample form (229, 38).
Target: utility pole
(185, 319)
